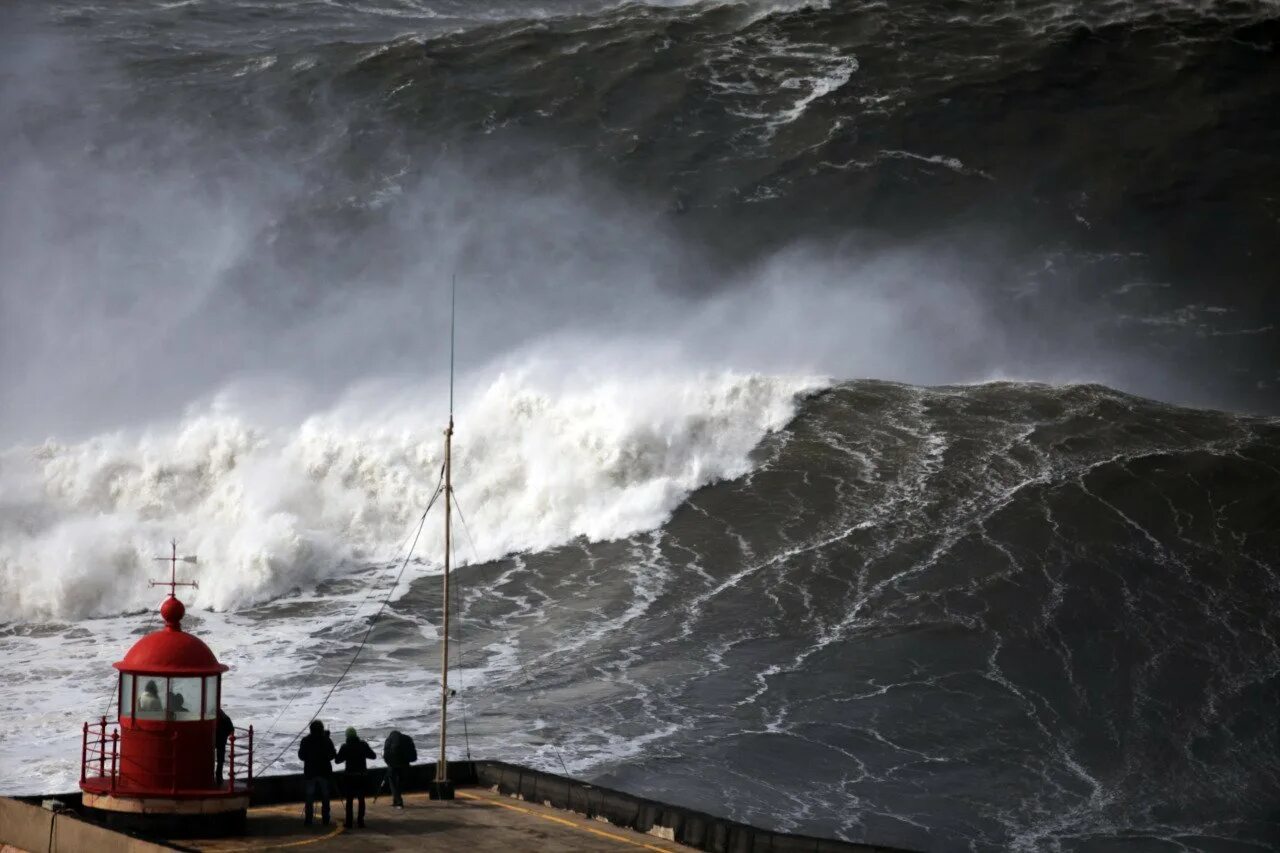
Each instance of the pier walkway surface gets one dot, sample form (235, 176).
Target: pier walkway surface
(499, 806)
(479, 819)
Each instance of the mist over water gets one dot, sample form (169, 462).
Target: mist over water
(228, 236)
(174, 222)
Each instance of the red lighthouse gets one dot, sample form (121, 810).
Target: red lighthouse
(156, 768)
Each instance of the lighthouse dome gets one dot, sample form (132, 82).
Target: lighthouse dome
(171, 651)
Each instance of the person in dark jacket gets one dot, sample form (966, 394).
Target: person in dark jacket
(398, 752)
(316, 753)
(223, 731)
(355, 753)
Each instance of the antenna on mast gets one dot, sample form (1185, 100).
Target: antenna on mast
(172, 610)
(173, 559)
(453, 313)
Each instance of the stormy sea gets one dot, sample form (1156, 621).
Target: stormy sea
(866, 413)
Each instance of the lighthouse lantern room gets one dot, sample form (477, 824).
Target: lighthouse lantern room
(155, 768)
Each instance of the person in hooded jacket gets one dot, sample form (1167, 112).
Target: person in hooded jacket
(316, 753)
(398, 752)
(355, 753)
(221, 734)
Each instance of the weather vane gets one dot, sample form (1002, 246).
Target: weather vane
(173, 583)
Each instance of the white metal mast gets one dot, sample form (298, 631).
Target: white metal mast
(442, 767)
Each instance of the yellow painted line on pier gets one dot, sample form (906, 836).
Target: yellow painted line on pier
(609, 835)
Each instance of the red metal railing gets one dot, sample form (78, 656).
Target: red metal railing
(97, 748)
(244, 759)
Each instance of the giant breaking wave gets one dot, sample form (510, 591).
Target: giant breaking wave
(272, 508)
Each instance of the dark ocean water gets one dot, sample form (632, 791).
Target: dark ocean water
(1008, 616)
(999, 617)
(980, 616)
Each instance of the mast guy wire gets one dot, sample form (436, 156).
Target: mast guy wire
(422, 521)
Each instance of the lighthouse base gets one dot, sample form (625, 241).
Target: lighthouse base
(171, 817)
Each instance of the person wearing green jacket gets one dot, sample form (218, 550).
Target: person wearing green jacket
(354, 753)
(398, 752)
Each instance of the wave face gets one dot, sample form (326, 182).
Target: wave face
(1003, 617)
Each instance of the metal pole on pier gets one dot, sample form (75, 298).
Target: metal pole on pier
(441, 788)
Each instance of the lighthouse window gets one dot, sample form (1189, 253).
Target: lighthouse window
(211, 697)
(150, 693)
(126, 695)
(184, 698)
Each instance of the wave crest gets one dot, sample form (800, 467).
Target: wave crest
(271, 508)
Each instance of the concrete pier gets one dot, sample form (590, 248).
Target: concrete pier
(477, 820)
(499, 806)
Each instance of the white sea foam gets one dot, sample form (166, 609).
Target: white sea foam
(952, 163)
(773, 81)
(270, 507)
